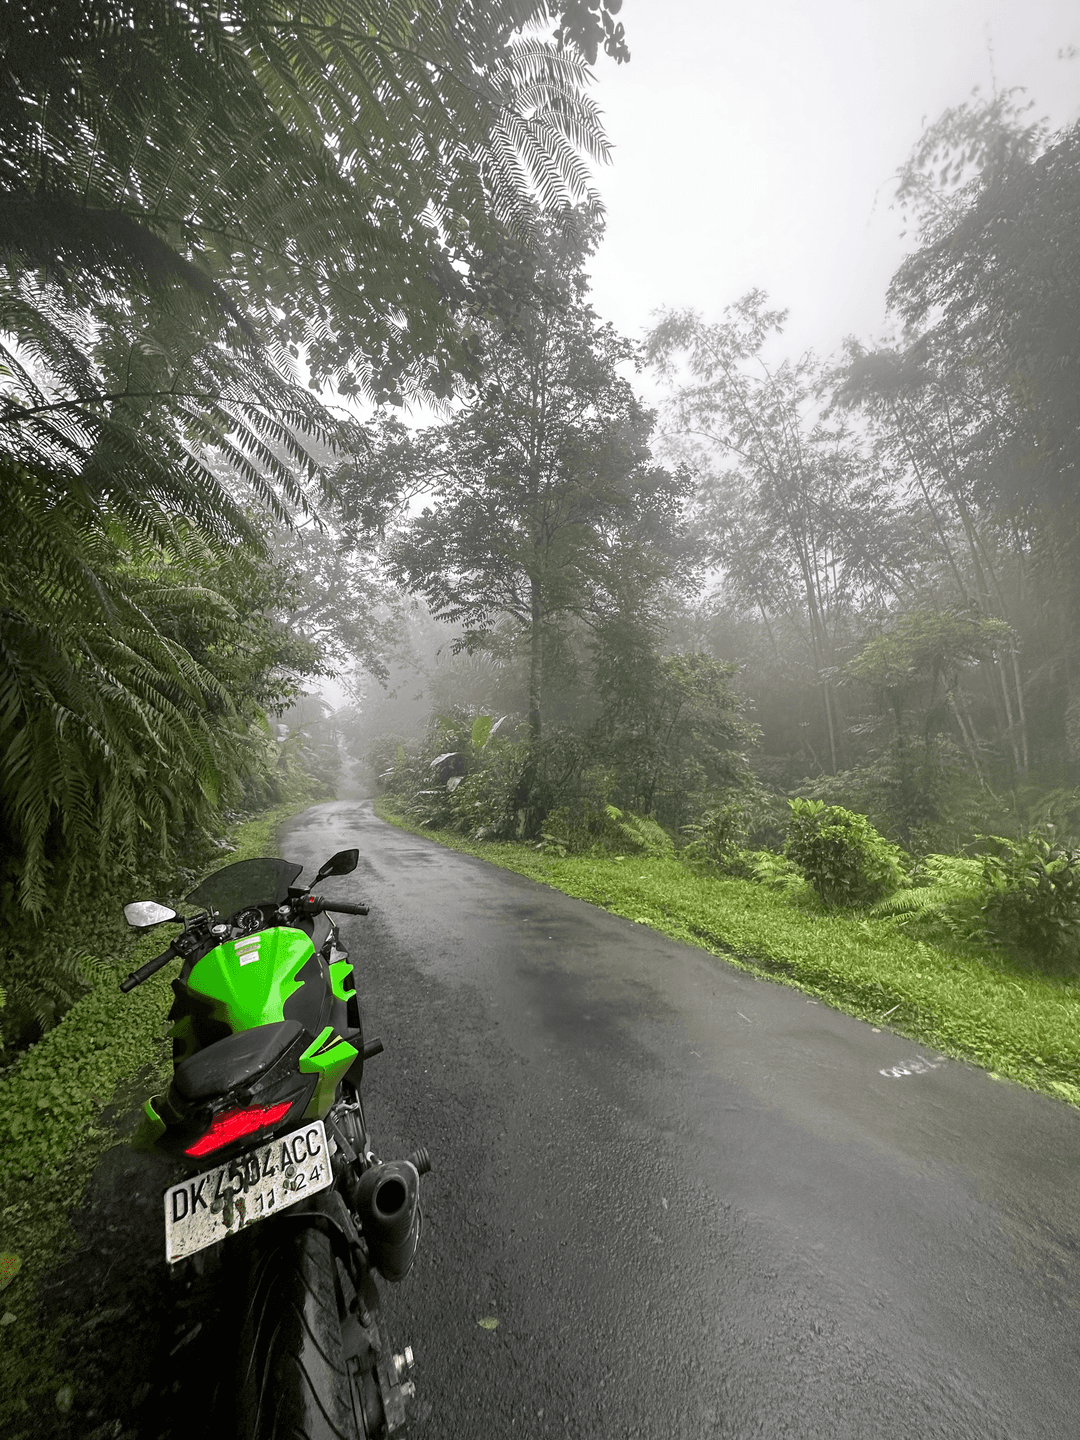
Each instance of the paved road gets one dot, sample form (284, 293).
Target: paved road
(697, 1203)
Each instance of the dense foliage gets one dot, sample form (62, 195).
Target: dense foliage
(1031, 899)
(893, 546)
(579, 785)
(895, 538)
(205, 215)
(309, 175)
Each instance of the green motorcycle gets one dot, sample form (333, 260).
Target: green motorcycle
(264, 1106)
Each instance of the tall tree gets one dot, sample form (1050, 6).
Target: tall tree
(546, 504)
(978, 400)
(932, 424)
(800, 526)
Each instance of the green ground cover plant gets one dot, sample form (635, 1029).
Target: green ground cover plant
(54, 1100)
(990, 1009)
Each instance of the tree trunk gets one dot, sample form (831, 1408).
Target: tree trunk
(536, 661)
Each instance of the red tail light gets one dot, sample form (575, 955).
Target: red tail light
(236, 1124)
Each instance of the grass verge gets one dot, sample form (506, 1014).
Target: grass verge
(1014, 1022)
(54, 1107)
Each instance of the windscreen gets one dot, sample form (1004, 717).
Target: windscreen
(248, 882)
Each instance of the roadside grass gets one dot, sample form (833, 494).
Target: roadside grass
(994, 1012)
(55, 1123)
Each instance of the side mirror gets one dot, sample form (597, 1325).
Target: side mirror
(343, 863)
(141, 914)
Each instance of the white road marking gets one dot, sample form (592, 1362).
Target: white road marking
(919, 1066)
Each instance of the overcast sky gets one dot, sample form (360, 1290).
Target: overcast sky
(755, 140)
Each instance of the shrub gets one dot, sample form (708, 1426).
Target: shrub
(941, 901)
(1031, 890)
(637, 834)
(720, 838)
(565, 831)
(486, 804)
(841, 854)
(779, 874)
(576, 829)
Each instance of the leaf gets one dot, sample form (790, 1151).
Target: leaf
(489, 1322)
(481, 729)
(10, 1265)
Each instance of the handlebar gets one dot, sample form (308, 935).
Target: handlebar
(315, 905)
(312, 905)
(145, 971)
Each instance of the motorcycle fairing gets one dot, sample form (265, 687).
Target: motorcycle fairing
(263, 1017)
(249, 981)
(330, 1057)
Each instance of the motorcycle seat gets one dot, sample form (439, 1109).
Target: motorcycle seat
(237, 1058)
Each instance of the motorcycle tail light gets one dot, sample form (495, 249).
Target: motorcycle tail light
(235, 1124)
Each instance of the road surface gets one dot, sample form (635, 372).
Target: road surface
(697, 1204)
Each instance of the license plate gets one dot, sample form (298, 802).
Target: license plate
(225, 1200)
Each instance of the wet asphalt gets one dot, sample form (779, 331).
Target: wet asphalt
(697, 1204)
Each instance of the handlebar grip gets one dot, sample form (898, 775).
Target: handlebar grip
(341, 907)
(145, 971)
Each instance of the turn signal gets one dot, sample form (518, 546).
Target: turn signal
(235, 1125)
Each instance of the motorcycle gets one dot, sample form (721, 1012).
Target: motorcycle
(264, 1107)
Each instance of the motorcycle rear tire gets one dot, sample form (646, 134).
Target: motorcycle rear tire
(293, 1377)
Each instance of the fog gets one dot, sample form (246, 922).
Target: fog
(754, 144)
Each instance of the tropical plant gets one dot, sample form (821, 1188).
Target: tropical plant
(940, 901)
(720, 837)
(637, 834)
(1031, 898)
(841, 854)
(133, 703)
(311, 177)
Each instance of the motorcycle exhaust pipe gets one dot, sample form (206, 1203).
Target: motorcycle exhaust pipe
(388, 1207)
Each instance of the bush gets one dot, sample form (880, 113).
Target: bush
(590, 828)
(636, 834)
(778, 873)
(1031, 891)
(841, 854)
(720, 839)
(486, 804)
(941, 901)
